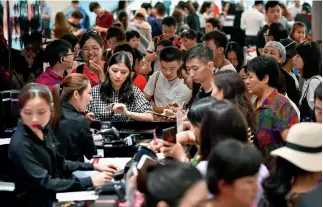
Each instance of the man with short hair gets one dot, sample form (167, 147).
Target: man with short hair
(252, 21)
(115, 36)
(75, 21)
(85, 23)
(103, 21)
(274, 113)
(199, 65)
(156, 23)
(218, 42)
(273, 13)
(155, 64)
(164, 85)
(212, 24)
(169, 33)
(60, 57)
(276, 32)
(295, 9)
(318, 103)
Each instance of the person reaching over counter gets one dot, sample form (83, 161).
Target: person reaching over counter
(71, 98)
(116, 99)
(37, 168)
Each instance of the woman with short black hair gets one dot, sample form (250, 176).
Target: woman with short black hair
(232, 174)
(173, 184)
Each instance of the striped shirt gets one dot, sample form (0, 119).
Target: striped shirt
(49, 78)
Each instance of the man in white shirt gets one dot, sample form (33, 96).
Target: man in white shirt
(164, 88)
(295, 9)
(218, 42)
(252, 21)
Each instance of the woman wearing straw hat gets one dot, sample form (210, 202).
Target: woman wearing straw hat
(298, 166)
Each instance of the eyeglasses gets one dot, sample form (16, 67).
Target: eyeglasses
(69, 54)
(94, 49)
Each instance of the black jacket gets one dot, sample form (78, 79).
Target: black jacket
(193, 22)
(74, 134)
(291, 89)
(38, 169)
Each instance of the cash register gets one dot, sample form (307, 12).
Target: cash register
(9, 112)
(119, 139)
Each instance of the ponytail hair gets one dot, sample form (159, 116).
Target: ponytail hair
(64, 91)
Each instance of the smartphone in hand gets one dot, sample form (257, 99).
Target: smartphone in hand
(161, 115)
(169, 134)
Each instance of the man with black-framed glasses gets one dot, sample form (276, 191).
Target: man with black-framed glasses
(60, 57)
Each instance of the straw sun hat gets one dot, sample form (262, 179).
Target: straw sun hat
(303, 147)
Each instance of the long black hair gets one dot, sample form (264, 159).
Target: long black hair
(279, 183)
(310, 52)
(220, 122)
(235, 91)
(235, 47)
(197, 110)
(126, 94)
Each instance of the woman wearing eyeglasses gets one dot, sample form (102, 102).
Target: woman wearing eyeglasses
(92, 49)
(60, 57)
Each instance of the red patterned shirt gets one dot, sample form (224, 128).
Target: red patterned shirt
(274, 115)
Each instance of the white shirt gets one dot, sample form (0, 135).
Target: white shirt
(294, 11)
(313, 83)
(252, 21)
(295, 79)
(167, 92)
(225, 68)
(203, 19)
(294, 106)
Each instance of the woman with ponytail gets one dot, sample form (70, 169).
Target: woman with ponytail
(71, 97)
(37, 168)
